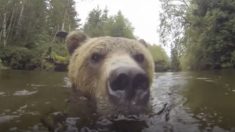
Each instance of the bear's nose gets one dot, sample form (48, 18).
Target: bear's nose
(130, 81)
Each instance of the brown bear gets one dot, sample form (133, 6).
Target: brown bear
(116, 73)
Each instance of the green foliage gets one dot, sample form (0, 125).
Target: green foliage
(205, 40)
(1, 66)
(160, 57)
(100, 24)
(19, 58)
(210, 37)
(58, 58)
(95, 24)
(120, 27)
(173, 22)
(28, 30)
(62, 16)
(175, 62)
(233, 58)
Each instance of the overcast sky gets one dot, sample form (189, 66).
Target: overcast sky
(143, 14)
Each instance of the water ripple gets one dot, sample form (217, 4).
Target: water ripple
(24, 93)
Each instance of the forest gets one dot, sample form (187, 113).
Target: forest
(31, 32)
(28, 32)
(200, 33)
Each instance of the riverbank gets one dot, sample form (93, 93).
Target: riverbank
(2, 67)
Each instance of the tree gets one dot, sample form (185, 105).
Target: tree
(175, 62)
(201, 32)
(173, 22)
(209, 40)
(160, 57)
(95, 23)
(100, 24)
(121, 27)
(28, 27)
(62, 16)
(22, 20)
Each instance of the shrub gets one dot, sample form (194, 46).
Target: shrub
(160, 57)
(19, 58)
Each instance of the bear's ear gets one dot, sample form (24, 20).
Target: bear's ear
(142, 41)
(75, 39)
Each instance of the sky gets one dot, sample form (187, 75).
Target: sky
(143, 15)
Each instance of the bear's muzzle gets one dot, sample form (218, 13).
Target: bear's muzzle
(128, 88)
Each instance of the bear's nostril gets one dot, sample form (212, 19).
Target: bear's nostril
(140, 81)
(120, 82)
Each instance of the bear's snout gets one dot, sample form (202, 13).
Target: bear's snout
(129, 86)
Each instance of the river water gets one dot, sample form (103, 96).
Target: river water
(181, 101)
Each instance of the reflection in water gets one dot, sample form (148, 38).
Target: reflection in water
(183, 101)
(211, 99)
(24, 98)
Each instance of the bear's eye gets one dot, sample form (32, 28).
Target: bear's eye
(96, 57)
(139, 58)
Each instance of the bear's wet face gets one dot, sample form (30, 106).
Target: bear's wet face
(115, 71)
(127, 82)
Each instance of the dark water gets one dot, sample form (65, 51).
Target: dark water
(183, 101)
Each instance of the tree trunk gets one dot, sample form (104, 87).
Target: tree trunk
(62, 27)
(69, 27)
(20, 18)
(11, 24)
(4, 29)
(0, 36)
(63, 23)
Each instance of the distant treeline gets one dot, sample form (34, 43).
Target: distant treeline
(201, 33)
(100, 23)
(32, 33)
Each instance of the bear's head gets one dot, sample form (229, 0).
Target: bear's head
(115, 72)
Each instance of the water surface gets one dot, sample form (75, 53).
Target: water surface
(181, 101)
